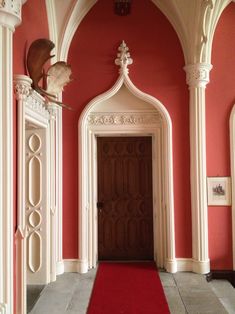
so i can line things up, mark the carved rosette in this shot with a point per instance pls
(123, 118)
(197, 75)
(10, 13)
(22, 86)
(123, 58)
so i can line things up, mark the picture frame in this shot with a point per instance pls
(219, 191)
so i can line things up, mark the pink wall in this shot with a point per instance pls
(34, 26)
(157, 70)
(220, 100)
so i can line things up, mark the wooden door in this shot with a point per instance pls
(125, 206)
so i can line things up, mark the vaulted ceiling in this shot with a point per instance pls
(194, 22)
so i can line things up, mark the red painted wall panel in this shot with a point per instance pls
(220, 100)
(157, 70)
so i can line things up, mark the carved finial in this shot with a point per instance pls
(123, 58)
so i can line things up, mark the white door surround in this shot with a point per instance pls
(35, 225)
(126, 111)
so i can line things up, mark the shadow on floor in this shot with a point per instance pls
(33, 294)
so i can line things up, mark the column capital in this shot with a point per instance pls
(22, 86)
(10, 13)
(197, 75)
(53, 109)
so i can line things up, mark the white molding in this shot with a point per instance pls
(59, 191)
(232, 163)
(127, 118)
(10, 13)
(195, 23)
(51, 18)
(22, 87)
(52, 108)
(31, 108)
(198, 75)
(184, 264)
(189, 264)
(35, 109)
(60, 268)
(6, 166)
(88, 187)
(77, 13)
(72, 266)
(197, 78)
(179, 265)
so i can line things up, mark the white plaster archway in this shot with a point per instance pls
(106, 124)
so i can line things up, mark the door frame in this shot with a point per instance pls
(31, 110)
(158, 248)
(156, 123)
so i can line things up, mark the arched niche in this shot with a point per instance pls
(124, 110)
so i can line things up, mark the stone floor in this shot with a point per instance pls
(185, 293)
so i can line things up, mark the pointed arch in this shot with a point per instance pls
(164, 210)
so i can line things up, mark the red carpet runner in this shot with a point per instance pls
(127, 288)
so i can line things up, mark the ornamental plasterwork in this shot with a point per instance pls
(21, 90)
(35, 102)
(123, 118)
(123, 58)
(205, 12)
(16, 6)
(198, 74)
(11, 6)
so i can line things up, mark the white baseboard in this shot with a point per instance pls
(60, 268)
(201, 267)
(70, 265)
(172, 266)
(184, 264)
(189, 264)
(75, 266)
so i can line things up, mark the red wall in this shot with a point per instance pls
(220, 100)
(34, 26)
(157, 70)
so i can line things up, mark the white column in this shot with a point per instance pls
(197, 79)
(53, 210)
(10, 16)
(59, 191)
(22, 87)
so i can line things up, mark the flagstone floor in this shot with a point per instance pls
(185, 292)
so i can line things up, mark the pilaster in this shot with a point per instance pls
(197, 79)
(10, 17)
(52, 108)
(59, 191)
(22, 87)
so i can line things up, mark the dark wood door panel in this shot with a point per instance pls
(125, 221)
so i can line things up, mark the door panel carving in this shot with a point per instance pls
(125, 221)
(36, 206)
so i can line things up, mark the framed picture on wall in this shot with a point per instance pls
(219, 191)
